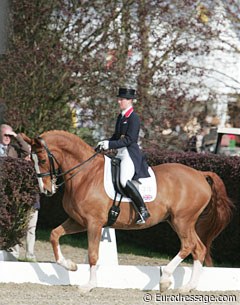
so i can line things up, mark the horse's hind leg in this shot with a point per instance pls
(198, 253)
(190, 243)
(68, 227)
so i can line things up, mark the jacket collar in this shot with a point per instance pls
(127, 112)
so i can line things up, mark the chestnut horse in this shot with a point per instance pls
(195, 203)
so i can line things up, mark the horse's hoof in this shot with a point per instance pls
(164, 285)
(71, 265)
(68, 264)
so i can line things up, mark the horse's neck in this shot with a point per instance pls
(74, 154)
(70, 149)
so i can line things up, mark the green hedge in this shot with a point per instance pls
(162, 238)
(18, 190)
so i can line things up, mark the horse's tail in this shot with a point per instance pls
(216, 215)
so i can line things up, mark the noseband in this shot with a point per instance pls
(56, 173)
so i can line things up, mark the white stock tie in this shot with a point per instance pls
(3, 151)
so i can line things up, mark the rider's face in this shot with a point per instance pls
(124, 103)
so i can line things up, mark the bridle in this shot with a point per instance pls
(57, 173)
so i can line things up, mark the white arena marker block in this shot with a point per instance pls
(135, 277)
(7, 256)
(108, 248)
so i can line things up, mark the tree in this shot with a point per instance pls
(35, 81)
(66, 52)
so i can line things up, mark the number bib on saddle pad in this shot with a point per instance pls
(147, 188)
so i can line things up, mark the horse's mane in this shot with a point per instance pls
(74, 138)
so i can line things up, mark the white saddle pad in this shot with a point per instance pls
(147, 188)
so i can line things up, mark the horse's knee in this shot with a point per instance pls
(52, 236)
(57, 233)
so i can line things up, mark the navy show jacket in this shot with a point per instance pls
(126, 135)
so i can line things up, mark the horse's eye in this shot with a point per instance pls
(43, 161)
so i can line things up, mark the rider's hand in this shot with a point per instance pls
(104, 145)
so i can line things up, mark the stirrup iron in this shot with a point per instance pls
(140, 220)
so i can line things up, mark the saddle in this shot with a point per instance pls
(114, 189)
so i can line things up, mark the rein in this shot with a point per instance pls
(55, 174)
(73, 168)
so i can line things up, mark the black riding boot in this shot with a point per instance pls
(136, 197)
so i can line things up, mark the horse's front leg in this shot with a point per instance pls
(68, 227)
(94, 237)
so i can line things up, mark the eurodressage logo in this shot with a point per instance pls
(175, 298)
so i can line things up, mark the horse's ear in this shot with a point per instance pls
(37, 142)
(27, 139)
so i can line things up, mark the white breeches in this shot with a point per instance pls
(31, 236)
(127, 167)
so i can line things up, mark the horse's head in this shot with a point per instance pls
(45, 164)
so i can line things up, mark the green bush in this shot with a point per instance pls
(18, 190)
